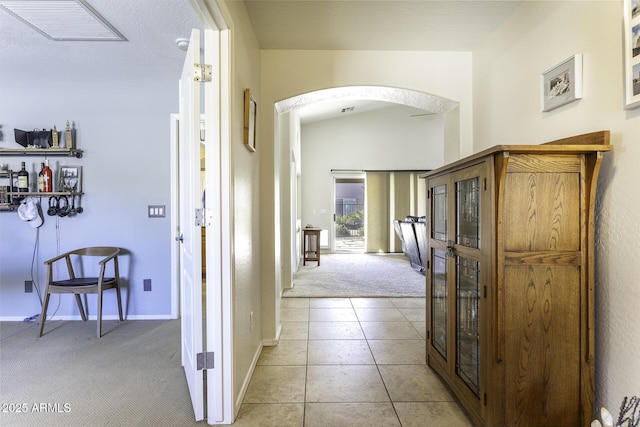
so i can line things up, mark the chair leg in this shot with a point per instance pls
(43, 315)
(119, 301)
(80, 307)
(99, 318)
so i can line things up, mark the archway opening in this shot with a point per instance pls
(293, 113)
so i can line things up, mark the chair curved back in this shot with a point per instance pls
(96, 251)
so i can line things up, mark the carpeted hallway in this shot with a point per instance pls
(358, 276)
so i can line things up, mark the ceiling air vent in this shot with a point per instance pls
(63, 20)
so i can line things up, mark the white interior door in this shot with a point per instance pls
(206, 305)
(190, 195)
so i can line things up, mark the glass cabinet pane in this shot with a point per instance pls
(439, 300)
(467, 327)
(468, 212)
(439, 213)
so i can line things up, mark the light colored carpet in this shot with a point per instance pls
(131, 376)
(356, 276)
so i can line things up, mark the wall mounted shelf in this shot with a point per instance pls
(70, 152)
(15, 197)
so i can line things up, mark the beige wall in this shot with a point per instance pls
(245, 71)
(507, 70)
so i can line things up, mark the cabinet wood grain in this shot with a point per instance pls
(522, 292)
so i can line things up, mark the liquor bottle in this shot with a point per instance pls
(23, 180)
(41, 179)
(47, 177)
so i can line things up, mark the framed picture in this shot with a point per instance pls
(631, 54)
(562, 84)
(70, 179)
(250, 114)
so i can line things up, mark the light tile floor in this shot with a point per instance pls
(349, 362)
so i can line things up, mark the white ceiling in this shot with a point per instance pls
(152, 26)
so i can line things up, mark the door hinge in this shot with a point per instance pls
(202, 73)
(204, 217)
(205, 360)
(485, 184)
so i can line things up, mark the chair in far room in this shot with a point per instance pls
(101, 256)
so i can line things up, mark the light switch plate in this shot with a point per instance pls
(157, 211)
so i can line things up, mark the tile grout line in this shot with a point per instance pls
(386, 389)
(306, 366)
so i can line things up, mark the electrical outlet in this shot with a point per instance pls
(251, 321)
(147, 285)
(28, 286)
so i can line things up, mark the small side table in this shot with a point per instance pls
(311, 245)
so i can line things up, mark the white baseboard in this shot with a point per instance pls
(93, 317)
(247, 380)
(273, 342)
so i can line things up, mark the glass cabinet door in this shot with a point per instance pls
(438, 276)
(457, 277)
(439, 301)
(467, 282)
(439, 213)
(467, 322)
(468, 212)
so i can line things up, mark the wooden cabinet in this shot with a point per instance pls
(510, 281)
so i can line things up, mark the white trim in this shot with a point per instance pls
(92, 317)
(273, 342)
(174, 168)
(219, 240)
(247, 380)
(228, 259)
(335, 175)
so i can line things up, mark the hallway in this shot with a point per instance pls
(349, 362)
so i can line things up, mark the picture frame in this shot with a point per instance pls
(250, 115)
(562, 83)
(631, 54)
(70, 179)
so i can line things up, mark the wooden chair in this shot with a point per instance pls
(83, 285)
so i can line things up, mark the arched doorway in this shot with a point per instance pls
(291, 112)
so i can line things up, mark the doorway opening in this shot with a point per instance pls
(348, 215)
(390, 129)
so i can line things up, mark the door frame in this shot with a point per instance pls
(335, 176)
(174, 212)
(221, 407)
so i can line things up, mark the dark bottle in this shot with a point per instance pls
(41, 179)
(47, 178)
(23, 180)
